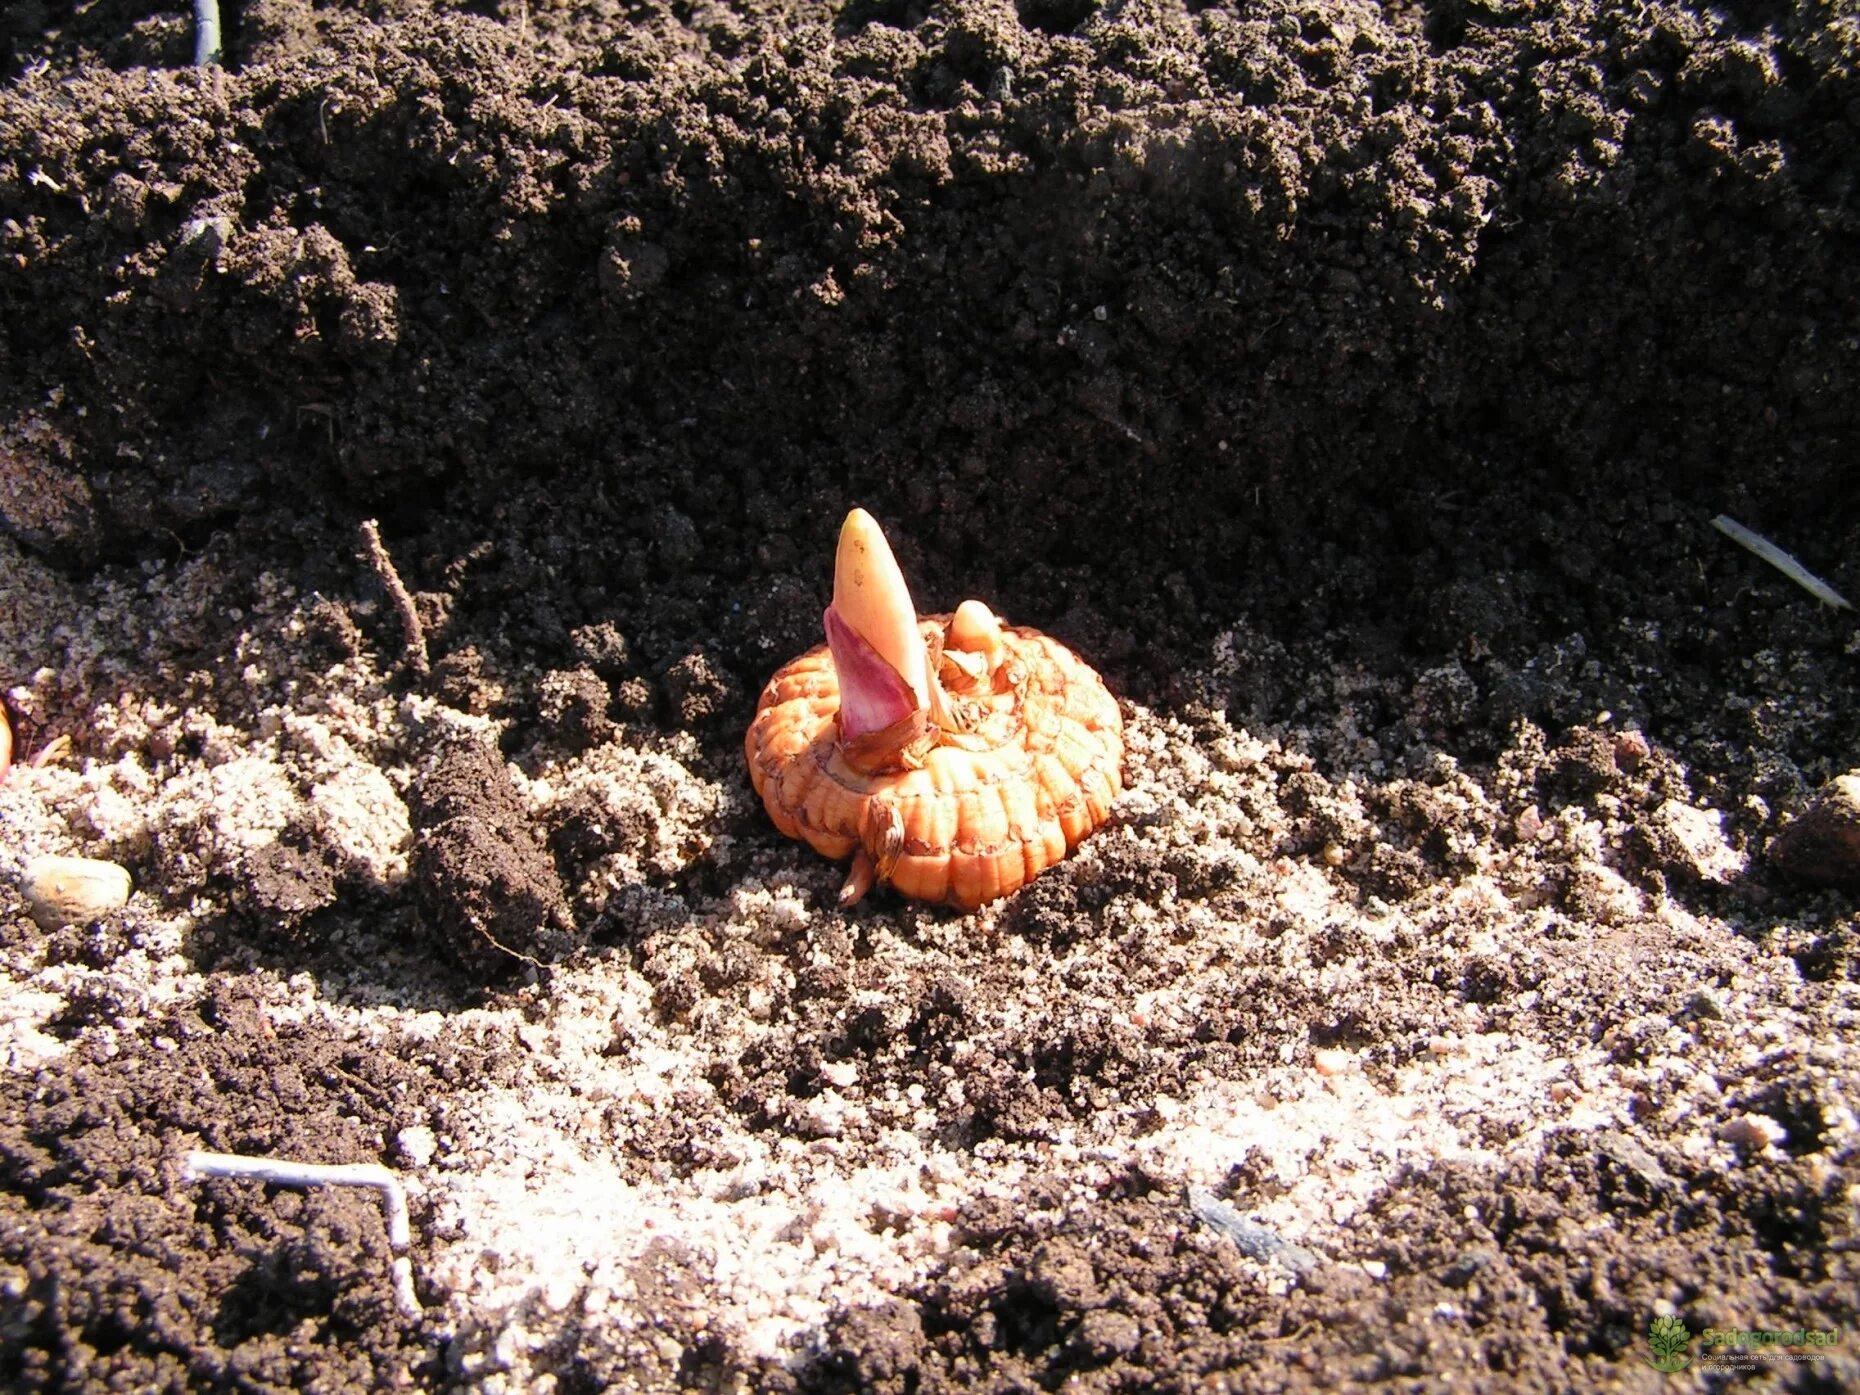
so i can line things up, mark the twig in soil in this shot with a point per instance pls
(282, 1172)
(1255, 1241)
(206, 33)
(1782, 561)
(377, 554)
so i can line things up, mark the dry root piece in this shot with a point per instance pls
(951, 757)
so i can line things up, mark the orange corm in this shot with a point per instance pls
(951, 757)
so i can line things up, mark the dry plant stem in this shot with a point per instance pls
(206, 33)
(1782, 561)
(282, 1172)
(415, 633)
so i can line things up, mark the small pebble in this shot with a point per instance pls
(1823, 845)
(1631, 749)
(64, 891)
(416, 1144)
(1690, 845)
(1331, 1061)
(1753, 1131)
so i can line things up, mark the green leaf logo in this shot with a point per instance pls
(1669, 1339)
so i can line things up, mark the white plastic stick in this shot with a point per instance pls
(282, 1172)
(1782, 561)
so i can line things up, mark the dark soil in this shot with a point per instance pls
(1399, 354)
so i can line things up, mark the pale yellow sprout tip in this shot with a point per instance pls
(975, 630)
(870, 595)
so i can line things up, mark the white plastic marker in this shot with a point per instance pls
(1782, 561)
(281, 1172)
